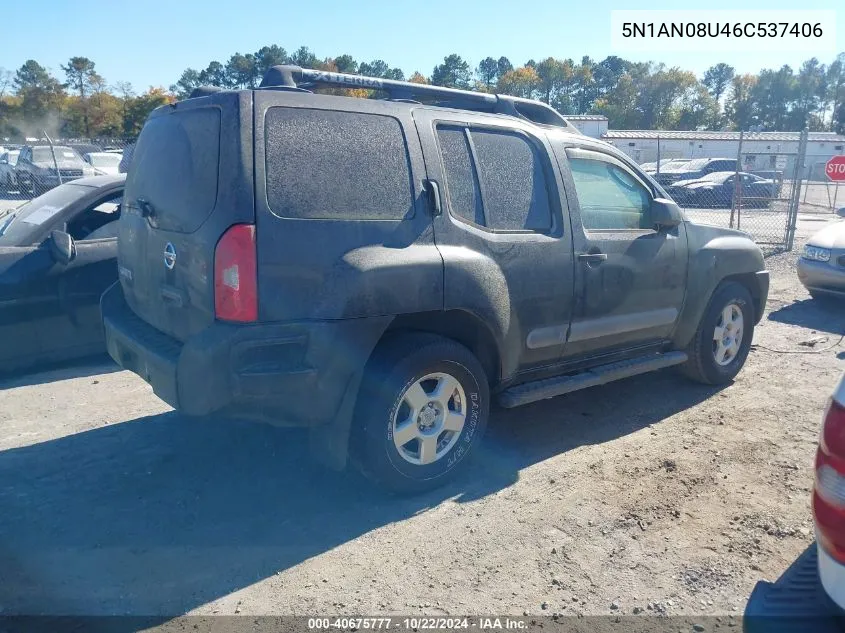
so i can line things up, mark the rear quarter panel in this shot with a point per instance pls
(337, 268)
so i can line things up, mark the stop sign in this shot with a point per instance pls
(835, 168)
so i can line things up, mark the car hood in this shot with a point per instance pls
(695, 184)
(63, 164)
(707, 232)
(832, 236)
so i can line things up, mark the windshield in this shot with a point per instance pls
(104, 160)
(63, 155)
(20, 226)
(12, 157)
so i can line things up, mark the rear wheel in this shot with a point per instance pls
(421, 411)
(722, 341)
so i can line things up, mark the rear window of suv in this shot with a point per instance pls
(175, 167)
(324, 164)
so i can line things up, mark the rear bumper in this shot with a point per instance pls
(296, 373)
(822, 276)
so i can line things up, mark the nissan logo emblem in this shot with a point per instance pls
(169, 256)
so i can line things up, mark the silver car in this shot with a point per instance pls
(821, 267)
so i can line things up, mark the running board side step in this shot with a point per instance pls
(559, 385)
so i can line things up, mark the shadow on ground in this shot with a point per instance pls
(92, 366)
(823, 315)
(794, 603)
(161, 514)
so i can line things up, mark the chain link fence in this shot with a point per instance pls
(820, 194)
(31, 167)
(758, 194)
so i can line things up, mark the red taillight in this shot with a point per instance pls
(829, 496)
(235, 283)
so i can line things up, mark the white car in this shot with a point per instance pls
(104, 163)
(8, 160)
(829, 498)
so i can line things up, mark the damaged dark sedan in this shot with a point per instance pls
(57, 256)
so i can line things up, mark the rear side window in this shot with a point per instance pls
(495, 178)
(175, 167)
(461, 179)
(323, 164)
(515, 192)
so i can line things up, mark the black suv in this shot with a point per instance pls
(380, 269)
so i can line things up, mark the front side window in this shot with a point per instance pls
(611, 198)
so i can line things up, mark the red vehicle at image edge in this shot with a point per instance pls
(829, 498)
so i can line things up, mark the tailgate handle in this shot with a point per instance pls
(147, 209)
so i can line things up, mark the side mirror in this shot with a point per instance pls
(665, 214)
(62, 247)
(841, 212)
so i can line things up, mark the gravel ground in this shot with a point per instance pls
(651, 494)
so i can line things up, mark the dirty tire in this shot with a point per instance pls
(397, 365)
(702, 365)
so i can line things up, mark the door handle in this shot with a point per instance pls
(433, 192)
(592, 258)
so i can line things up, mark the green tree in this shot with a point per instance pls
(375, 68)
(774, 94)
(552, 75)
(189, 80)
(607, 74)
(268, 56)
(741, 107)
(835, 88)
(488, 72)
(39, 94)
(79, 73)
(304, 58)
(454, 72)
(241, 71)
(717, 79)
(213, 75)
(585, 85)
(810, 92)
(126, 92)
(346, 64)
(504, 65)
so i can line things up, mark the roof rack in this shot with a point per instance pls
(295, 78)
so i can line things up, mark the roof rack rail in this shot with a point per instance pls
(288, 77)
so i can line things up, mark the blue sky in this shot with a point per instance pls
(151, 43)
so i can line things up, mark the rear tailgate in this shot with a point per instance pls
(191, 178)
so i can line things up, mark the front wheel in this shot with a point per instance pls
(722, 341)
(421, 411)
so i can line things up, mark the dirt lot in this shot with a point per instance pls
(652, 493)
